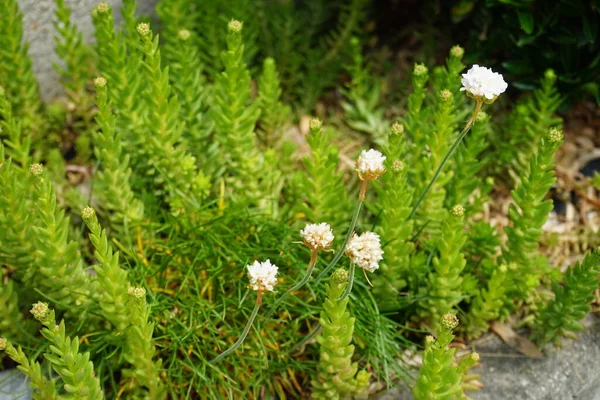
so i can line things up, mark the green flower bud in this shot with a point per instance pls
(315, 124)
(36, 169)
(143, 28)
(184, 34)
(340, 276)
(235, 26)
(397, 128)
(458, 210)
(3, 343)
(87, 213)
(40, 310)
(449, 321)
(555, 135)
(100, 82)
(457, 51)
(420, 69)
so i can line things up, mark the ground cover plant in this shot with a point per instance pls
(198, 245)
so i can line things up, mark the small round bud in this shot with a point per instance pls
(234, 26)
(315, 124)
(555, 135)
(3, 343)
(143, 28)
(457, 51)
(420, 69)
(481, 116)
(445, 95)
(429, 339)
(397, 128)
(340, 276)
(102, 8)
(449, 321)
(184, 34)
(397, 166)
(458, 210)
(136, 292)
(550, 75)
(87, 213)
(40, 310)
(503, 269)
(36, 169)
(475, 356)
(100, 82)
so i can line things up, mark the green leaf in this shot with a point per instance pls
(590, 29)
(526, 20)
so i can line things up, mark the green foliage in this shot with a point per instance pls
(395, 229)
(273, 112)
(74, 368)
(486, 304)
(44, 388)
(362, 110)
(439, 377)
(444, 289)
(322, 186)
(337, 376)
(10, 315)
(560, 317)
(528, 214)
(16, 72)
(112, 181)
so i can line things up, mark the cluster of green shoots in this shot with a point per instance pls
(168, 247)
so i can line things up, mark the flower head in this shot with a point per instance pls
(457, 51)
(370, 165)
(184, 34)
(458, 210)
(40, 310)
(234, 26)
(420, 69)
(449, 321)
(102, 7)
(100, 82)
(36, 169)
(475, 356)
(555, 135)
(136, 292)
(445, 95)
(263, 276)
(143, 28)
(365, 250)
(397, 128)
(3, 343)
(397, 166)
(315, 124)
(317, 236)
(87, 213)
(340, 276)
(482, 83)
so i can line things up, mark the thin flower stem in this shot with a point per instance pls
(340, 253)
(241, 339)
(350, 283)
(302, 282)
(447, 157)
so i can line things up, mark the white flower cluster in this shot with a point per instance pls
(370, 164)
(263, 276)
(365, 250)
(317, 236)
(481, 82)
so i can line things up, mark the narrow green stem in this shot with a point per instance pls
(302, 282)
(350, 282)
(241, 339)
(447, 157)
(340, 253)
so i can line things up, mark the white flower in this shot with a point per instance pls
(317, 236)
(365, 250)
(483, 82)
(370, 164)
(263, 276)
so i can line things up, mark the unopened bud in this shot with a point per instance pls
(449, 321)
(184, 34)
(143, 28)
(100, 82)
(36, 169)
(420, 69)
(555, 135)
(397, 166)
(458, 210)
(315, 124)
(457, 51)
(397, 128)
(40, 310)
(235, 26)
(136, 292)
(87, 213)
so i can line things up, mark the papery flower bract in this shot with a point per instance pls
(370, 164)
(263, 276)
(317, 236)
(483, 83)
(365, 250)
